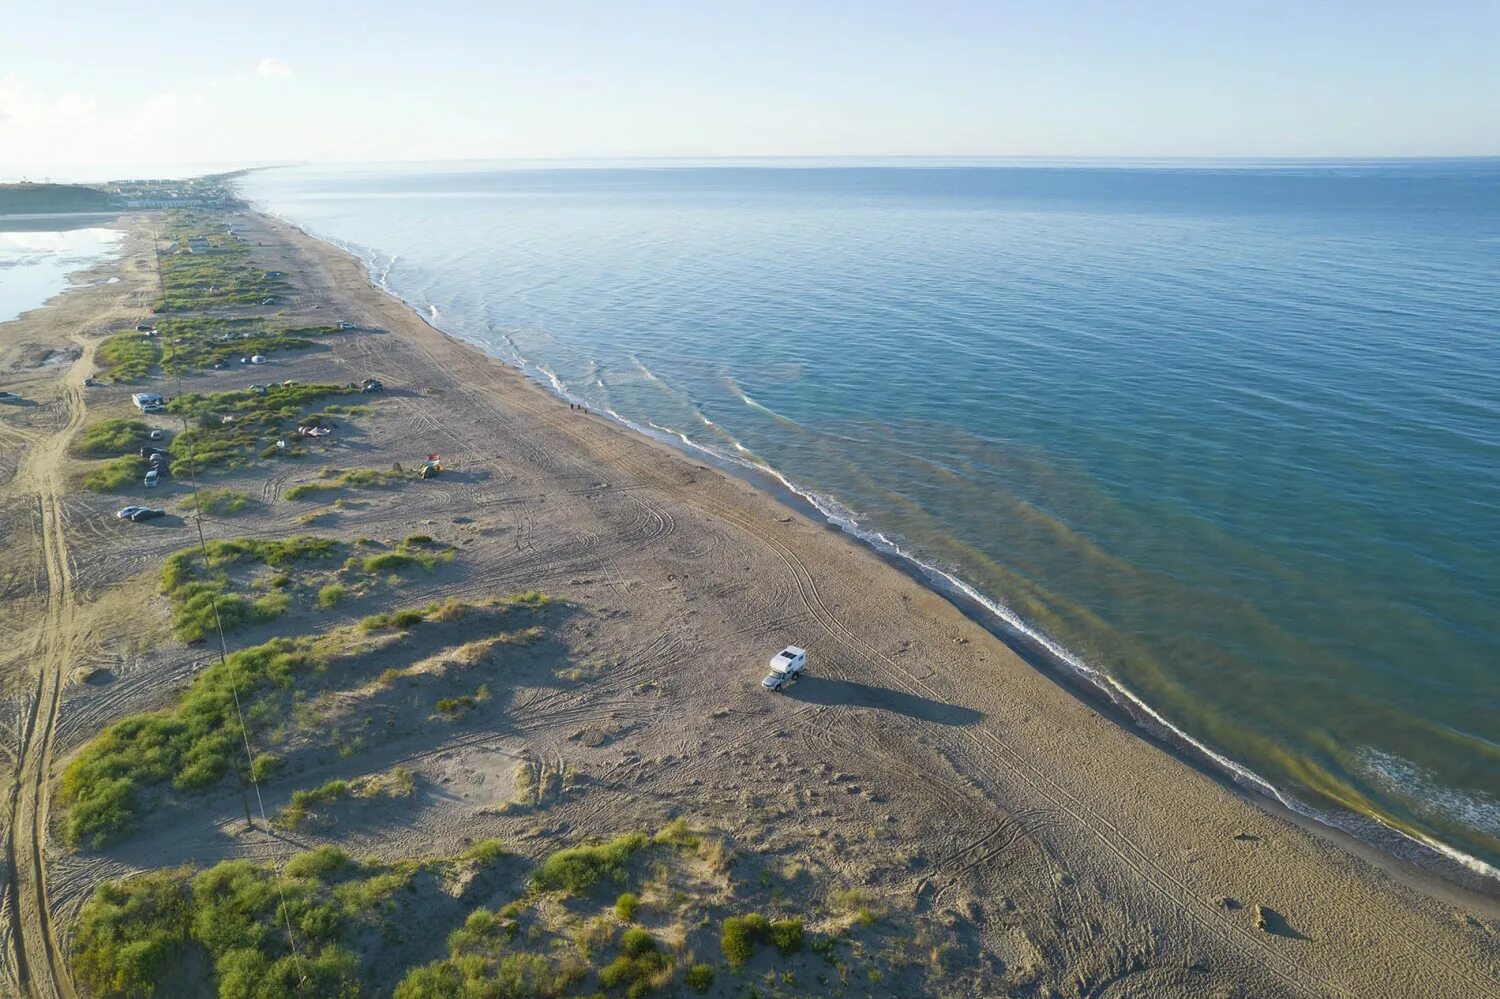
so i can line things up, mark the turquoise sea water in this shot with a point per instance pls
(1227, 434)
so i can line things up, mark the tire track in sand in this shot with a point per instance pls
(40, 966)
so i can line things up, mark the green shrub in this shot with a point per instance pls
(330, 595)
(200, 590)
(108, 438)
(219, 502)
(439, 980)
(626, 907)
(191, 746)
(700, 977)
(123, 474)
(304, 801)
(787, 935)
(128, 357)
(636, 942)
(579, 868)
(131, 933)
(486, 851)
(735, 942)
(318, 863)
(456, 705)
(263, 766)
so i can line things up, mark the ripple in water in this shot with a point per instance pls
(1226, 436)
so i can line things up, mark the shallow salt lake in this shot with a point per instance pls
(35, 265)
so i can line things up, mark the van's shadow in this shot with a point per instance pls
(812, 689)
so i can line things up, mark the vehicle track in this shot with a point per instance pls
(41, 968)
(1135, 858)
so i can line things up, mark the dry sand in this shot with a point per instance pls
(920, 757)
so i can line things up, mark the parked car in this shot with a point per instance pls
(372, 385)
(127, 512)
(153, 476)
(786, 666)
(148, 513)
(157, 434)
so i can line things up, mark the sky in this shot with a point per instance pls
(90, 90)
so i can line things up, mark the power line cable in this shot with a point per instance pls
(234, 686)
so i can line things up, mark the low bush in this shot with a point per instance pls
(330, 595)
(486, 851)
(132, 935)
(123, 474)
(108, 438)
(738, 936)
(128, 357)
(306, 800)
(190, 746)
(200, 590)
(626, 907)
(579, 868)
(788, 935)
(700, 977)
(219, 502)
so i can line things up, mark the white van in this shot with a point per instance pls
(786, 666)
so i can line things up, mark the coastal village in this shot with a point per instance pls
(343, 660)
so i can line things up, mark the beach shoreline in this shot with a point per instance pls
(1038, 822)
(1426, 863)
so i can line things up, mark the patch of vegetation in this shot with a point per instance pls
(284, 689)
(201, 594)
(123, 474)
(640, 967)
(486, 851)
(190, 342)
(219, 502)
(700, 977)
(305, 801)
(738, 937)
(191, 745)
(207, 267)
(409, 553)
(330, 595)
(133, 934)
(128, 357)
(579, 868)
(626, 906)
(135, 938)
(337, 478)
(230, 428)
(109, 438)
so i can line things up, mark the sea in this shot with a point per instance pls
(39, 254)
(1222, 437)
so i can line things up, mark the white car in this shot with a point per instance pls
(786, 666)
(126, 512)
(157, 434)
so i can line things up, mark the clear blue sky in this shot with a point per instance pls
(270, 80)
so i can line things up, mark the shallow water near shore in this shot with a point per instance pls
(1228, 434)
(36, 261)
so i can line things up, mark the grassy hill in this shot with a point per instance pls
(23, 199)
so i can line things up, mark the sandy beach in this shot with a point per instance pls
(1051, 846)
